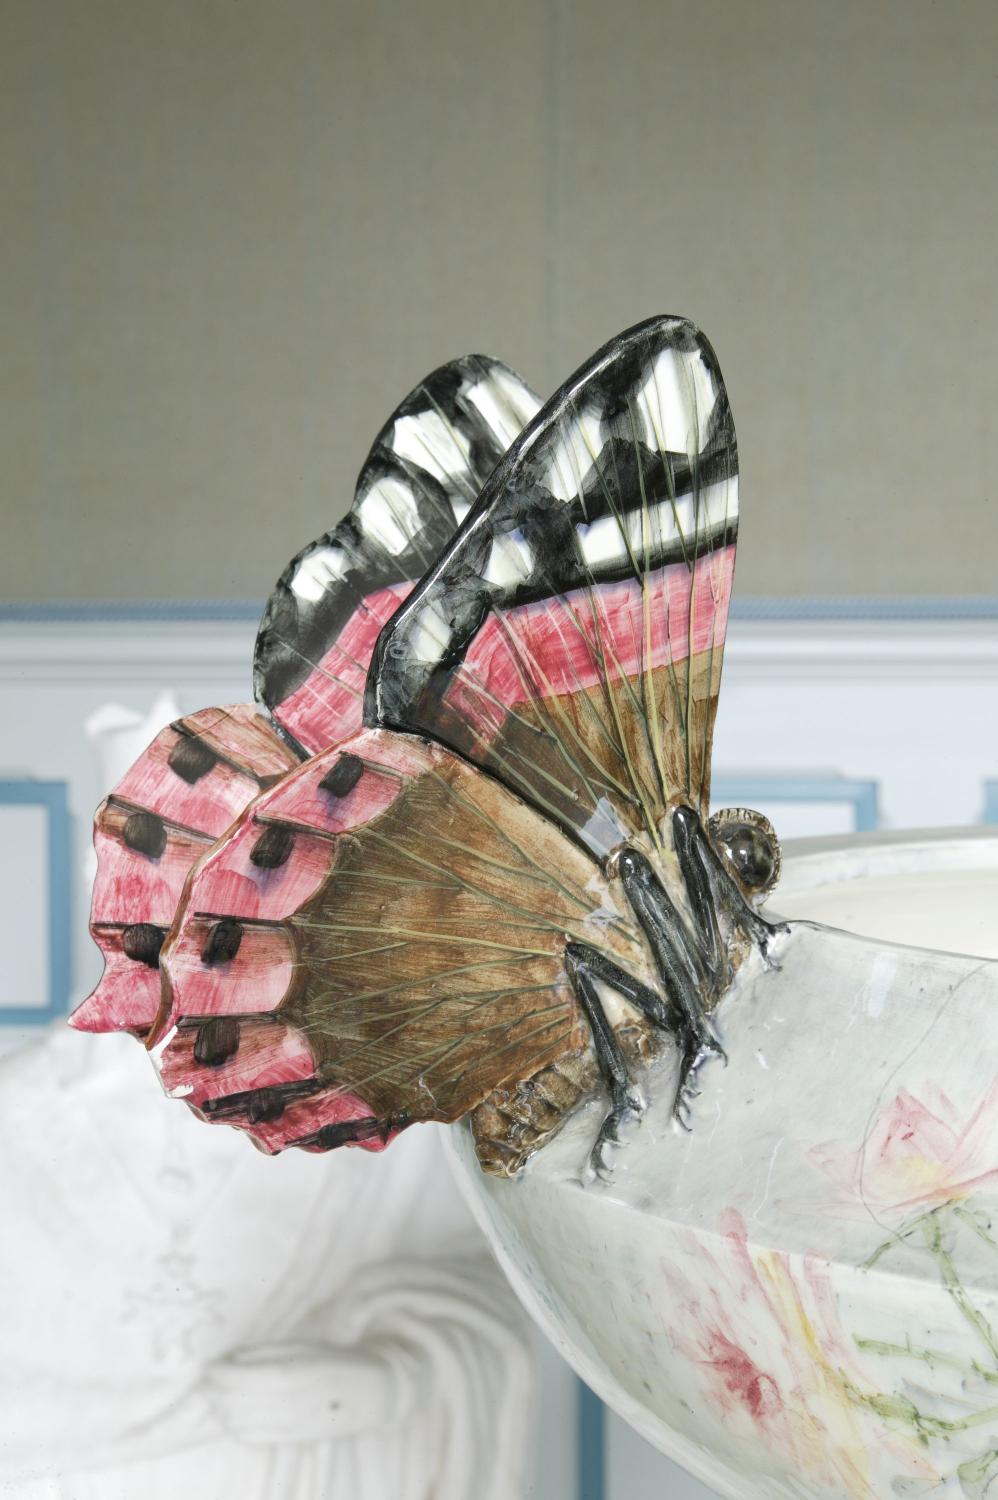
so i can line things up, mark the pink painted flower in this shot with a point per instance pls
(769, 1361)
(738, 1379)
(918, 1152)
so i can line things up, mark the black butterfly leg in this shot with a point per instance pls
(585, 965)
(712, 893)
(712, 890)
(686, 973)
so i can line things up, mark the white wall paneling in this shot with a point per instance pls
(909, 704)
(820, 720)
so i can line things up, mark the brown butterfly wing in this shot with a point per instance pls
(395, 922)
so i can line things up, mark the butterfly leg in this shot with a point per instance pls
(685, 972)
(585, 965)
(712, 891)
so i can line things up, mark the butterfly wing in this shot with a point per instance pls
(170, 807)
(570, 639)
(380, 938)
(312, 656)
(421, 478)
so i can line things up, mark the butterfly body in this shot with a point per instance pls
(515, 1121)
(486, 889)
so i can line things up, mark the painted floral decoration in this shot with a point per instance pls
(919, 1151)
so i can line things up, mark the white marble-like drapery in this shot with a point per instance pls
(181, 1315)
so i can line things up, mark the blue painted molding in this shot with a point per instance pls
(865, 607)
(752, 607)
(591, 1447)
(745, 791)
(104, 612)
(990, 813)
(52, 796)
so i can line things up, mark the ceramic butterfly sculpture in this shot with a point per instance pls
(462, 865)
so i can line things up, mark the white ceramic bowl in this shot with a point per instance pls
(800, 1297)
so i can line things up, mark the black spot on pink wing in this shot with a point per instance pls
(344, 1132)
(222, 943)
(260, 1106)
(142, 941)
(342, 776)
(273, 848)
(264, 1105)
(256, 1106)
(191, 758)
(144, 832)
(217, 1040)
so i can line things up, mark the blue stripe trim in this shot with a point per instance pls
(102, 612)
(866, 607)
(754, 607)
(591, 1417)
(990, 813)
(53, 797)
(737, 791)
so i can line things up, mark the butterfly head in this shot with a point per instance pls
(746, 844)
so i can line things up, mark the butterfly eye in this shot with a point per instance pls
(747, 846)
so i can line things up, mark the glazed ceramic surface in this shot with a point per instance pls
(799, 1297)
(459, 865)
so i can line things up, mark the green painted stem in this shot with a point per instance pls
(954, 1286)
(928, 1356)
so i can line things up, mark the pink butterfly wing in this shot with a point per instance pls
(421, 478)
(570, 639)
(312, 657)
(175, 801)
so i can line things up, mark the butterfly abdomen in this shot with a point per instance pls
(513, 1123)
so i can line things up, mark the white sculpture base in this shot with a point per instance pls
(799, 1298)
(185, 1316)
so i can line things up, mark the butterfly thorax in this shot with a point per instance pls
(518, 1119)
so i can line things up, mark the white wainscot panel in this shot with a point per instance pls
(637, 1471)
(909, 705)
(806, 819)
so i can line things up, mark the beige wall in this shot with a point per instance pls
(235, 233)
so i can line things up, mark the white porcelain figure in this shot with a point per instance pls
(185, 1316)
(798, 1299)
